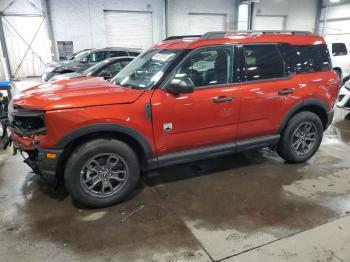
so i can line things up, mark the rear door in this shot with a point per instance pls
(209, 115)
(268, 91)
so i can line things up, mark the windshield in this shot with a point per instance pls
(93, 68)
(146, 69)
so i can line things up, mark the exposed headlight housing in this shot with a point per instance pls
(26, 122)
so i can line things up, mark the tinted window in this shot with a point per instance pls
(118, 53)
(306, 59)
(96, 57)
(339, 49)
(133, 53)
(263, 62)
(207, 67)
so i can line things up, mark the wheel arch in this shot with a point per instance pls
(109, 131)
(314, 105)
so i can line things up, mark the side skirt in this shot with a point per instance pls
(212, 151)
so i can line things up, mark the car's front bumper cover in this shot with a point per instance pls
(47, 163)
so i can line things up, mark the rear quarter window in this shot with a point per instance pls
(306, 58)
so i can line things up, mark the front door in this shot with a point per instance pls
(205, 117)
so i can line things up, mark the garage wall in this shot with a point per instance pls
(83, 22)
(299, 14)
(338, 19)
(181, 14)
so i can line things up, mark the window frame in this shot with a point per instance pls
(231, 46)
(243, 65)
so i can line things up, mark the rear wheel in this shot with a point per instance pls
(102, 172)
(301, 138)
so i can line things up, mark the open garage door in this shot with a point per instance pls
(200, 23)
(128, 29)
(270, 22)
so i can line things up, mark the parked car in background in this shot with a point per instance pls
(71, 57)
(180, 101)
(340, 56)
(344, 96)
(107, 69)
(84, 60)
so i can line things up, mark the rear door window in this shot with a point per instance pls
(339, 49)
(263, 61)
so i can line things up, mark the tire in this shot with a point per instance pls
(111, 165)
(288, 148)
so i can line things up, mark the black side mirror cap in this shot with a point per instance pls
(180, 86)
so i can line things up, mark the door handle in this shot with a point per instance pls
(222, 99)
(286, 91)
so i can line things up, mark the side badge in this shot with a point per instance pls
(168, 126)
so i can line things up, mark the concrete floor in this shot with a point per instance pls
(244, 207)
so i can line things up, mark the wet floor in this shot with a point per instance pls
(204, 211)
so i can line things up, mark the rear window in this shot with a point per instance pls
(339, 49)
(306, 59)
(263, 62)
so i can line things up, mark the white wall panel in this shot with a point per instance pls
(270, 22)
(20, 33)
(128, 29)
(202, 23)
(337, 21)
(180, 22)
(82, 21)
(336, 12)
(301, 14)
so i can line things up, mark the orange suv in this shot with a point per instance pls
(185, 99)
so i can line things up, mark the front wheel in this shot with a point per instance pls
(102, 172)
(301, 138)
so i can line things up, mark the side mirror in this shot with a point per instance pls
(180, 86)
(84, 60)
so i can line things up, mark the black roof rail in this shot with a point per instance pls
(221, 34)
(180, 37)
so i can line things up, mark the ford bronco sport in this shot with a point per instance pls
(184, 99)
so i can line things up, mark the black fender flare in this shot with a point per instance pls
(307, 102)
(94, 128)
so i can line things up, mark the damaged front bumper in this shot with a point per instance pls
(43, 162)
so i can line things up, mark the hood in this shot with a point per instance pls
(73, 93)
(71, 65)
(66, 76)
